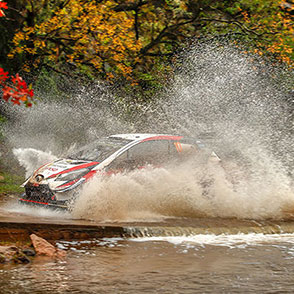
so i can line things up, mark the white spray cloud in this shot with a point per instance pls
(183, 191)
(31, 159)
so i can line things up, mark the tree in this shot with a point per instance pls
(118, 38)
(272, 23)
(14, 88)
(81, 33)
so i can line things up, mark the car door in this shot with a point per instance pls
(152, 152)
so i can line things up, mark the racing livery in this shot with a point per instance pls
(56, 184)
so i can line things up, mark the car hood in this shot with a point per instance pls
(60, 166)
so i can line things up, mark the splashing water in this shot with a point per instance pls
(31, 159)
(152, 194)
(58, 125)
(232, 241)
(240, 101)
(220, 91)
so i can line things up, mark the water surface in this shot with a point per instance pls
(253, 263)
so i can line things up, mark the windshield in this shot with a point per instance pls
(100, 149)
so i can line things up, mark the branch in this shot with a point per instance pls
(237, 23)
(62, 5)
(136, 23)
(154, 42)
(57, 70)
(129, 6)
(168, 30)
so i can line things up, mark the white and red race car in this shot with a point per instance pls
(56, 184)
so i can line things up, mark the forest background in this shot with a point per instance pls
(130, 43)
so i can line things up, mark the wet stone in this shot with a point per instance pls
(43, 247)
(2, 258)
(12, 254)
(20, 258)
(29, 252)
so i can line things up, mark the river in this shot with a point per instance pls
(232, 256)
(226, 264)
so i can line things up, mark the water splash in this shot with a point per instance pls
(220, 91)
(231, 241)
(153, 194)
(244, 104)
(56, 125)
(39, 212)
(31, 159)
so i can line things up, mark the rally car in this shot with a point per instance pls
(56, 184)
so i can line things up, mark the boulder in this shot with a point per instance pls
(43, 247)
(7, 252)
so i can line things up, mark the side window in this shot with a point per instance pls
(175, 148)
(149, 152)
(119, 163)
(182, 150)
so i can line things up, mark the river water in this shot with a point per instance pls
(251, 263)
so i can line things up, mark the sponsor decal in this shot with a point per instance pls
(52, 169)
(74, 168)
(178, 146)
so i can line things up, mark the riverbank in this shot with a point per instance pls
(16, 253)
(10, 186)
(10, 183)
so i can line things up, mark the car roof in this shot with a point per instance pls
(146, 137)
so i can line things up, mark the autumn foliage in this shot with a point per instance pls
(82, 34)
(3, 5)
(131, 40)
(14, 88)
(272, 25)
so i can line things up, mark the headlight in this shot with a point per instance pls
(70, 176)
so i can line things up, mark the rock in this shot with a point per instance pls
(8, 251)
(2, 258)
(1, 178)
(12, 253)
(20, 258)
(43, 247)
(29, 252)
(4, 249)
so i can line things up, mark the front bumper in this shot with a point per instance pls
(41, 195)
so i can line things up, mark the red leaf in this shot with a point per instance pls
(3, 5)
(18, 92)
(15, 101)
(3, 75)
(31, 93)
(6, 93)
